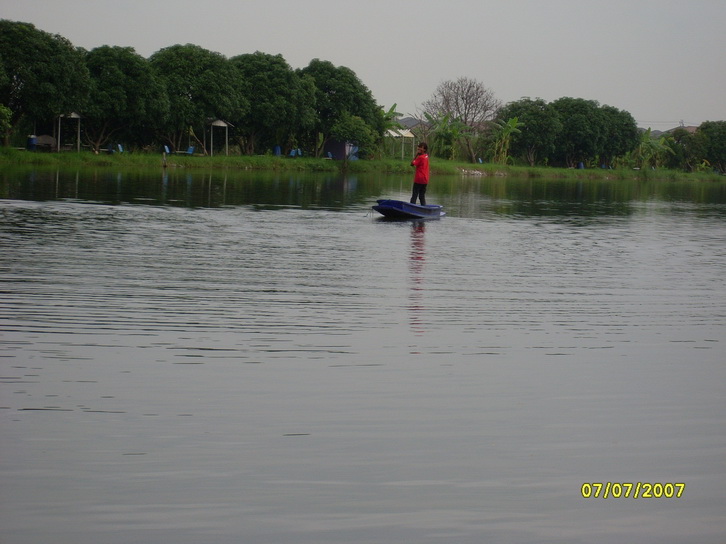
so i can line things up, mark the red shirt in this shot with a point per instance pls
(421, 162)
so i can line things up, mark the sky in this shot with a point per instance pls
(664, 61)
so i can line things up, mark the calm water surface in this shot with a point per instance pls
(214, 359)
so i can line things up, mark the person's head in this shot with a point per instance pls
(422, 147)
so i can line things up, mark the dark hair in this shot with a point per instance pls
(423, 144)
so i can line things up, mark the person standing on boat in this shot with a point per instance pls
(421, 175)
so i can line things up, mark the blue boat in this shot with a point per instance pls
(399, 209)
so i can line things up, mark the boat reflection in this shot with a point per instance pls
(417, 259)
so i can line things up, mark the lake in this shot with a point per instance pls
(191, 357)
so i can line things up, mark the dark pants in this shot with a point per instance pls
(419, 191)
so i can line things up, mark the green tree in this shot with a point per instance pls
(5, 119)
(713, 136)
(621, 134)
(353, 129)
(339, 92)
(306, 117)
(41, 75)
(687, 150)
(583, 131)
(201, 85)
(278, 99)
(125, 99)
(540, 126)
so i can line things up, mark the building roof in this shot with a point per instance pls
(399, 133)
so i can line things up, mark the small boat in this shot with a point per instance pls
(399, 209)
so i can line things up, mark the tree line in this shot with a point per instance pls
(465, 120)
(171, 97)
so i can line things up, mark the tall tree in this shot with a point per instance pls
(540, 126)
(713, 135)
(467, 101)
(620, 134)
(276, 95)
(583, 131)
(688, 150)
(42, 75)
(339, 92)
(201, 85)
(126, 97)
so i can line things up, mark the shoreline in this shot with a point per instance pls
(269, 163)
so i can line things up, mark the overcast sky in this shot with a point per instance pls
(664, 61)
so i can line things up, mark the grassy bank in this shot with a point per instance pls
(10, 157)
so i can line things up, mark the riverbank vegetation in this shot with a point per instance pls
(270, 163)
(253, 110)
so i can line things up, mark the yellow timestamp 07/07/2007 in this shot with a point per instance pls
(632, 490)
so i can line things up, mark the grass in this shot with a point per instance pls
(151, 160)
(9, 156)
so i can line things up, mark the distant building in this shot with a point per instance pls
(690, 129)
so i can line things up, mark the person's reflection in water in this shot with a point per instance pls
(417, 258)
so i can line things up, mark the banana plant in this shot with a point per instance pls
(651, 151)
(447, 133)
(503, 131)
(390, 118)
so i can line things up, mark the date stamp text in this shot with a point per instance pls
(632, 490)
